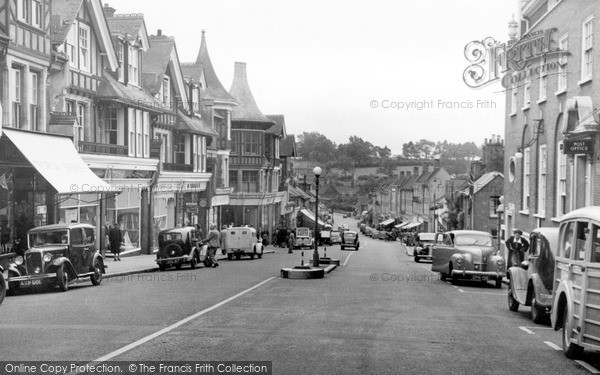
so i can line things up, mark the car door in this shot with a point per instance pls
(590, 328)
(77, 249)
(441, 248)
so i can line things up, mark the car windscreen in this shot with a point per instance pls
(48, 238)
(349, 235)
(171, 237)
(473, 240)
(427, 237)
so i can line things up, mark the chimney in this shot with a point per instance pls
(109, 11)
(436, 163)
(159, 32)
(239, 71)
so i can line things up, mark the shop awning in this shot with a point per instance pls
(412, 225)
(401, 225)
(387, 222)
(57, 160)
(310, 216)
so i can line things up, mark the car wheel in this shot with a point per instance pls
(453, 277)
(443, 276)
(260, 255)
(537, 312)
(499, 283)
(96, 278)
(194, 261)
(342, 247)
(229, 256)
(62, 278)
(207, 263)
(572, 351)
(2, 288)
(251, 256)
(513, 304)
(13, 287)
(417, 259)
(162, 267)
(178, 266)
(238, 256)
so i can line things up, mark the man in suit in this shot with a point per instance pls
(517, 247)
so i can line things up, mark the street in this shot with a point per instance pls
(378, 313)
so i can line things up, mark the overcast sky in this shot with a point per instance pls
(326, 64)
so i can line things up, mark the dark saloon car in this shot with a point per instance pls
(531, 282)
(423, 247)
(350, 239)
(178, 246)
(57, 255)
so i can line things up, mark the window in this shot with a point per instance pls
(494, 203)
(36, 13)
(251, 143)
(180, 149)
(131, 131)
(120, 57)
(133, 61)
(166, 90)
(527, 94)
(542, 172)
(566, 239)
(71, 46)
(250, 181)
(563, 45)
(513, 99)
(81, 118)
(233, 179)
(33, 102)
(84, 47)
(561, 185)
(587, 59)
(16, 98)
(146, 133)
(139, 133)
(543, 80)
(24, 10)
(595, 244)
(526, 177)
(111, 126)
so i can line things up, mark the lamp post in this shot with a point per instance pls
(317, 171)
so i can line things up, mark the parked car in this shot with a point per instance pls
(382, 235)
(575, 306)
(374, 233)
(325, 238)
(424, 245)
(350, 239)
(531, 283)
(2, 285)
(56, 255)
(336, 237)
(466, 254)
(303, 239)
(240, 241)
(179, 246)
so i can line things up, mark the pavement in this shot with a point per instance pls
(145, 263)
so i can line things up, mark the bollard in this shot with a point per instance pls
(324, 252)
(302, 260)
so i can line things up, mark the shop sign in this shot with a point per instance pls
(220, 200)
(572, 147)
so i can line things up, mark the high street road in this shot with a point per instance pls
(378, 313)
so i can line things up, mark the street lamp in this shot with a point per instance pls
(317, 171)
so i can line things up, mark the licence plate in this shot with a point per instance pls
(480, 278)
(26, 283)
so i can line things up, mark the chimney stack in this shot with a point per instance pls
(159, 32)
(109, 11)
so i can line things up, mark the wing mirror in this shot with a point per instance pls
(525, 265)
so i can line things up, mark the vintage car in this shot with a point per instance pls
(350, 239)
(57, 255)
(179, 246)
(374, 233)
(423, 247)
(575, 306)
(467, 254)
(240, 241)
(336, 237)
(2, 284)
(303, 239)
(530, 284)
(325, 238)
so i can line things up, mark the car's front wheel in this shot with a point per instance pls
(13, 286)
(513, 304)
(571, 350)
(96, 278)
(417, 259)
(194, 260)
(2, 288)
(537, 312)
(499, 283)
(62, 278)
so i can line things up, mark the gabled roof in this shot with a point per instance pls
(287, 148)
(111, 89)
(482, 182)
(203, 66)
(279, 127)
(129, 26)
(162, 55)
(194, 125)
(240, 90)
(64, 13)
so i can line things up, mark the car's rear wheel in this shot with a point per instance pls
(260, 255)
(62, 278)
(251, 256)
(571, 350)
(178, 266)
(229, 256)
(499, 283)
(537, 312)
(513, 304)
(238, 256)
(96, 278)
(417, 259)
(194, 260)
(343, 247)
(13, 286)
(2, 288)
(162, 267)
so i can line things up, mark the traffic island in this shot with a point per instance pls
(330, 261)
(303, 272)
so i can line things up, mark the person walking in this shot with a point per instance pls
(223, 239)
(517, 247)
(291, 240)
(213, 240)
(115, 237)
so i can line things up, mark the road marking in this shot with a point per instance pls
(588, 367)
(552, 345)
(176, 325)
(524, 329)
(460, 290)
(347, 259)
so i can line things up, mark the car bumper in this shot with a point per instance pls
(475, 274)
(424, 256)
(33, 281)
(174, 260)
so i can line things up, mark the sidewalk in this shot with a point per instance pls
(144, 263)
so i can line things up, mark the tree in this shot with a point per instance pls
(316, 147)
(409, 151)
(361, 152)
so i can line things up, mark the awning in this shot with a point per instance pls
(412, 225)
(310, 216)
(402, 224)
(57, 160)
(387, 222)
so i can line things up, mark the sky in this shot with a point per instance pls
(387, 71)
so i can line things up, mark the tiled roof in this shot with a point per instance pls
(482, 181)
(240, 90)
(278, 128)
(111, 89)
(214, 89)
(156, 62)
(195, 125)
(126, 24)
(63, 13)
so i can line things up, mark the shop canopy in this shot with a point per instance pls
(401, 225)
(57, 160)
(310, 216)
(412, 225)
(387, 222)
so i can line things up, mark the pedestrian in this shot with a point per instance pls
(291, 241)
(199, 231)
(213, 240)
(517, 247)
(115, 237)
(265, 238)
(223, 239)
(4, 236)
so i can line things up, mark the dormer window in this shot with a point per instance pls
(133, 64)
(166, 91)
(84, 47)
(120, 58)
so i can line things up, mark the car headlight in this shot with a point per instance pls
(459, 260)
(19, 260)
(47, 257)
(500, 262)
